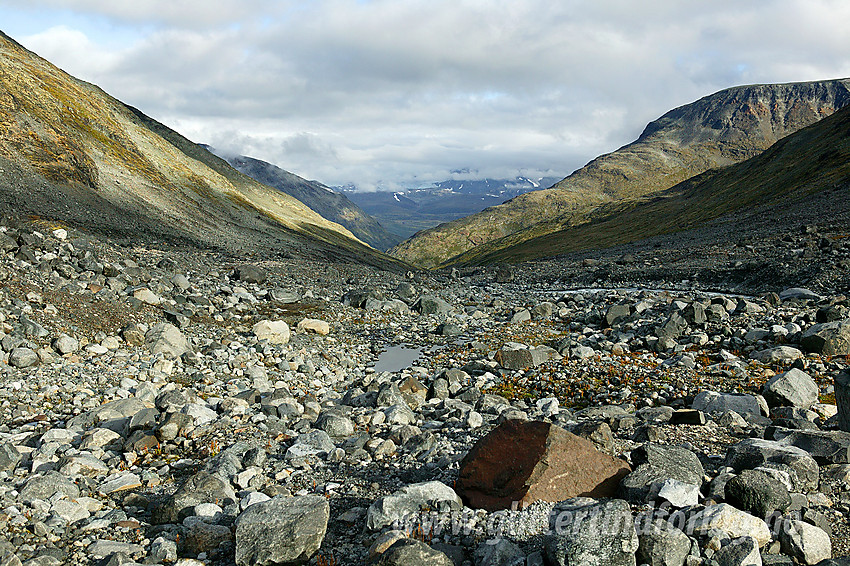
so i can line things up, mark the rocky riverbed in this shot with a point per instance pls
(163, 406)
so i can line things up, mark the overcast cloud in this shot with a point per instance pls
(390, 93)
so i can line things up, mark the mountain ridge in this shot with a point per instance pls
(334, 206)
(811, 161)
(73, 154)
(719, 129)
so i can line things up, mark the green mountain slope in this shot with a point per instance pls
(331, 205)
(71, 153)
(721, 129)
(813, 160)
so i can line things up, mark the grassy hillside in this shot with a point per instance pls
(814, 159)
(721, 129)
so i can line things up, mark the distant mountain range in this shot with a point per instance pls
(409, 211)
(719, 130)
(70, 153)
(332, 205)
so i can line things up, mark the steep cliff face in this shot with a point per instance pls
(331, 205)
(721, 129)
(71, 153)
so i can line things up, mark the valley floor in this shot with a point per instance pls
(142, 409)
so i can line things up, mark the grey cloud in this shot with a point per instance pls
(384, 92)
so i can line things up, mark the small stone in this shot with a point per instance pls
(274, 331)
(314, 326)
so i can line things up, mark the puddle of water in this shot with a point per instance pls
(397, 358)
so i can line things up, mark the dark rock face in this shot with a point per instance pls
(757, 493)
(527, 461)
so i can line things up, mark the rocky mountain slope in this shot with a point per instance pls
(807, 170)
(331, 204)
(718, 130)
(71, 153)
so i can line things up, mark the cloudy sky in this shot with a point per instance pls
(394, 93)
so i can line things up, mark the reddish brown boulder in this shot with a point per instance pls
(523, 462)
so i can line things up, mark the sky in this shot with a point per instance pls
(391, 94)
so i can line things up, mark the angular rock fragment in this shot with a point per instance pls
(585, 531)
(521, 462)
(793, 388)
(282, 530)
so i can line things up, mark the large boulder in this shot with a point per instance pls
(743, 551)
(662, 544)
(411, 552)
(23, 358)
(49, 485)
(520, 462)
(806, 543)
(274, 331)
(732, 522)
(791, 388)
(517, 356)
(282, 530)
(166, 339)
(585, 531)
(754, 452)
(714, 402)
(249, 273)
(428, 304)
(404, 506)
(657, 463)
(757, 493)
(826, 447)
(828, 339)
(202, 487)
(778, 354)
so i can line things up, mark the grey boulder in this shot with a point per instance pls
(404, 505)
(828, 339)
(791, 388)
(166, 339)
(410, 552)
(714, 402)
(757, 493)
(282, 530)
(586, 531)
(662, 544)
